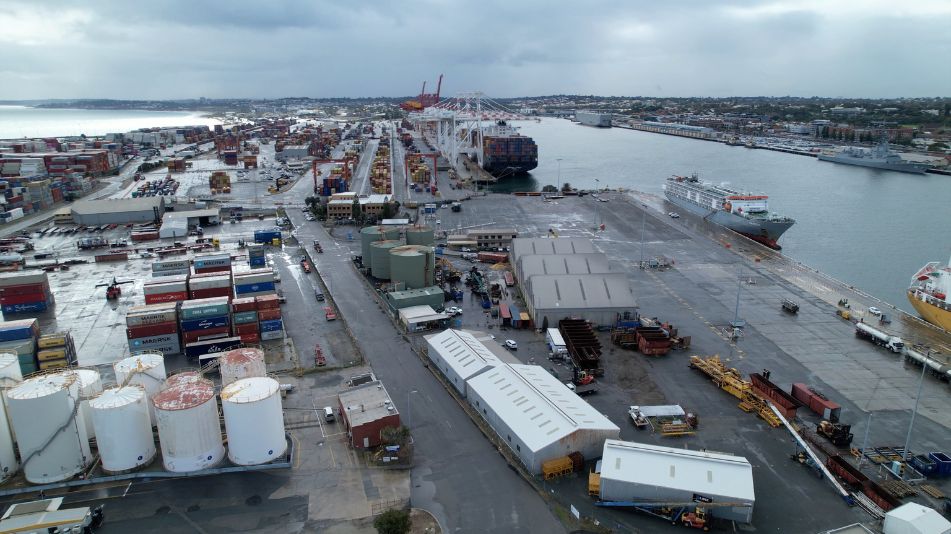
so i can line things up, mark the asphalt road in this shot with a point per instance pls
(458, 475)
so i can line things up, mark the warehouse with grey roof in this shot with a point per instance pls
(118, 211)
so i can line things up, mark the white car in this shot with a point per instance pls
(874, 311)
(453, 311)
(674, 215)
(511, 344)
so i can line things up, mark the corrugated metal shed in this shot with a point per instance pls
(595, 297)
(118, 211)
(524, 246)
(461, 356)
(914, 518)
(639, 472)
(585, 263)
(538, 416)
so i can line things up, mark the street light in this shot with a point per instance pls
(559, 174)
(409, 409)
(914, 412)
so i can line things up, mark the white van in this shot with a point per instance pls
(329, 414)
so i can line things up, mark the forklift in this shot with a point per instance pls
(114, 289)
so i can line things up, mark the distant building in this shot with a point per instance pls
(483, 238)
(838, 110)
(118, 211)
(365, 411)
(428, 296)
(292, 152)
(340, 205)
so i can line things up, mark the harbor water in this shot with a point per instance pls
(870, 228)
(23, 121)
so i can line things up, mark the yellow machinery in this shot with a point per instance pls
(558, 467)
(730, 380)
(594, 484)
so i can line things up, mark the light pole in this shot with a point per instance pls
(914, 412)
(559, 175)
(597, 202)
(409, 409)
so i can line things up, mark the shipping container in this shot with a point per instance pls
(272, 325)
(246, 328)
(166, 297)
(23, 347)
(205, 323)
(21, 329)
(250, 338)
(145, 318)
(245, 317)
(25, 289)
(208, 307)
(149, 330)
(176, 272)
(51, 354)
(216, 269)
(168, 279)
(201, 348)
(210, 282)
(118, 256)
(267, 301)
(164, 287)
(29, 298)
(816, 402)
(34, 307)
(253, 288)
(206, 333)
(23, 278)
(243, 305)
(51, 341)
(274, 334)
(170, 265)
(149, 343)
(208, 293)
(269, 314)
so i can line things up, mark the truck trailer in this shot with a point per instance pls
(880, 338)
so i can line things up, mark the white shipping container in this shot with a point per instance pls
(274, 334)
(16, 213)
(170, 265)
(156, 317)
(21, 278)
(253, 279)
(167, 279)
(157, 289)
(163, 274)
(210, 282)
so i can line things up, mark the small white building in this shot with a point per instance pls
(419, 318)
(536, 415)
(637, 472)
(460, 356)
(913, 518)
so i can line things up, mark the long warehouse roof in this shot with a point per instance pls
(705, 473)
(523, 246)
(463, 352)
(116, 205)
(536, 405)
(585, 291)
(584, 263)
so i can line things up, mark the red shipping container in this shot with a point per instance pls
(269, 314)
(247, 328)
(191, 337)
(24, 289)
(166, 297)
(149, 330)
(211, 292)
(23, 299)
(250, 338)
(216, 269)
(243, 305)
(265, 302)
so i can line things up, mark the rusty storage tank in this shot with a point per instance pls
(372, 234)
(254, 420)
(50, 432)
(147, 369)
(241, 363)
(188, 426)
(181, 377)
(123, 428)
(380, 258)
(420, 235)
(414, 265)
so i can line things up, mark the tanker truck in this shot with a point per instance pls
(880, 338)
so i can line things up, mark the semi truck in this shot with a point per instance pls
(880, 338)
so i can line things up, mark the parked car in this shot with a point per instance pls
(674, 215)
(511, 344)
(874, 311)
(452, 311)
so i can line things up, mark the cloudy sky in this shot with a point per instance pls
(320, 48)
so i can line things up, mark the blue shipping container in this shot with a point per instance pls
(200, 348)
(272, 326)
(205, 323)
(258, 262)
(253, 288)
(13, 334)
(29, 307)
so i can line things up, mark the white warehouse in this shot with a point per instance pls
(537, 416)
(632, 472)
(460, 356)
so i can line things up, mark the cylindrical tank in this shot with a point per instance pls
(372, 234)
(188, 426)
(90, 385)
(146, 369)
(241, 363)
(123, 428)
(413, 265)
(10, 374)
(380, 258)
(420, 235)
(50, 433)
(253, 420)
(181, 377)
(8, 455)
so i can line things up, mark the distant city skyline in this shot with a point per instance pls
(245, 49)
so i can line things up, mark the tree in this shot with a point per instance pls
(392, 522)
(387, 212)
(394, 435)
(566, 187)
(549, 189)
(356, 213)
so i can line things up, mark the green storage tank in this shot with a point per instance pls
(420, 235)
(380, 258)
(414, 265)
(372, 234)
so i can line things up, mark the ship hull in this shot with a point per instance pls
(764, 231)
(931, 313)
(859, 162)
(501, 167)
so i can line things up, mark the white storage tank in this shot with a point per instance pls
(146, 369)
(254, 420)
(40, 407)
(8, 455)
(90, 385)
(10, 374)
(245, 362)
(123, 428)
(188, 426)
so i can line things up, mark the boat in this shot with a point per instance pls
(744, 213)
(506, 152)
(593, 118)
(929, 293)
(879, 157)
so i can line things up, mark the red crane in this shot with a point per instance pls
(424, 100)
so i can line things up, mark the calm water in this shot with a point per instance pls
(870, 228)
(20, 121)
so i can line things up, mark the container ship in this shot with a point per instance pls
(506, 152)
(929, 291)
(593, 118)
(879, 157)
(743, 213)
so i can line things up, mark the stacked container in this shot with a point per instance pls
(199, 350)
(256, 255)
(170, 268)
(166, 289)
(56, 350)
(23, 292)
(204, 319)
(244, 318)
(254, 283)
(270, 236)
(213, 263)
(203, 286)
(20, 337)
(153, 327)
(270, 324)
